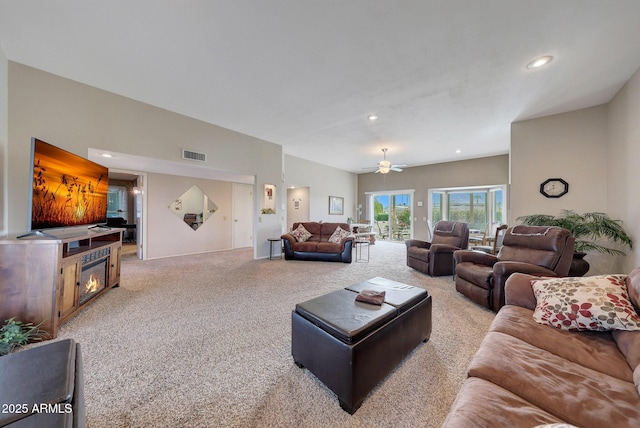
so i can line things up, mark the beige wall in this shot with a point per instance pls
(571, 146)
(4, 138)
(322, 181)
(172, 235)
(491, 170)
(596, 150)
(623, 173)
(78, 117)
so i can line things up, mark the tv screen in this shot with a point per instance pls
(67, 190)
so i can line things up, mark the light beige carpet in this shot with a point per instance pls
(204, 341)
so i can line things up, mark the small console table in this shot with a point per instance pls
(360, 244)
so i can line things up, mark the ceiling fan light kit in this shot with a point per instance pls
(384, 166)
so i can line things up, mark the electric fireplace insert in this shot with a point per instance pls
(93, 278)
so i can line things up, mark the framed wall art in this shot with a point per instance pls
(336, 205)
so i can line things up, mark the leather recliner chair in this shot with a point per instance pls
(535, 250)
(435, 258)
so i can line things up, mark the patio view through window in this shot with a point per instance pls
(476, 206)
(392, 214)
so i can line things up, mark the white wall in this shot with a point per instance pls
(623, 173)
(322, 181)
(77, 117)
(297, 205)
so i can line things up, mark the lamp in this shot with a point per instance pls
(384, 167)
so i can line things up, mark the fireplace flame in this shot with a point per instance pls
(92, 285)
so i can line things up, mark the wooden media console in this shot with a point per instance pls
(46, 280)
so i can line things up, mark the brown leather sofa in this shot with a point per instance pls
(435, 258)
(527, 374)
(538, 250)
(318, 247)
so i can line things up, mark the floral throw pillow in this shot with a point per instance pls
(597, 303)
(338, 235)
(301, 233)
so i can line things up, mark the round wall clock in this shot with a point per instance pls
(554, 187)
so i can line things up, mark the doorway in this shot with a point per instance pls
(242, 213)
(391, 214)
(126, 200)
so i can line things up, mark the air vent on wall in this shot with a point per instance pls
(194, 156)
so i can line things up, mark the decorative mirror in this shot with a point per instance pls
(269, 199)
(193, 207)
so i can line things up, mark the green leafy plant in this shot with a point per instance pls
(15, 334)
(586, 229)
(382, 217)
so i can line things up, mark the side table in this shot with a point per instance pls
(359, 244)
(271, 242)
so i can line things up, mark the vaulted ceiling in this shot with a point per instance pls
(442, 76)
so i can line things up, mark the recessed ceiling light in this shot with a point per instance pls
(539, 62)
(106, 155)
(372, 117)
(458, 151)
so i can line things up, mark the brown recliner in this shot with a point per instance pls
(435, 258)
(536, 250)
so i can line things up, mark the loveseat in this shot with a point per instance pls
(316, 245)
(527, 374)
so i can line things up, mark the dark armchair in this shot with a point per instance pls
(435, 258)
(536, 250)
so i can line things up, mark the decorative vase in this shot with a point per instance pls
(579, 266)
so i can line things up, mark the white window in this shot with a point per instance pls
(476, 205)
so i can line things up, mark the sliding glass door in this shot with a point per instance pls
(392, 213)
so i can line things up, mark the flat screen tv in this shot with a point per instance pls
(67, 190)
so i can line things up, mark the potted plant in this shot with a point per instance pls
(586, 228)
(14, 334)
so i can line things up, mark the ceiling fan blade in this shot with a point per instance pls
(396, 169)
(377, 171)
(401, 165)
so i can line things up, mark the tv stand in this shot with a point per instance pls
(37, 233)
(100, 226)
(46, 281)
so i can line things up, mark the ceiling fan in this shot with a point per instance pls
(384, 166)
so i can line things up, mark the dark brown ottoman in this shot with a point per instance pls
(351, 346)
(43, 387)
